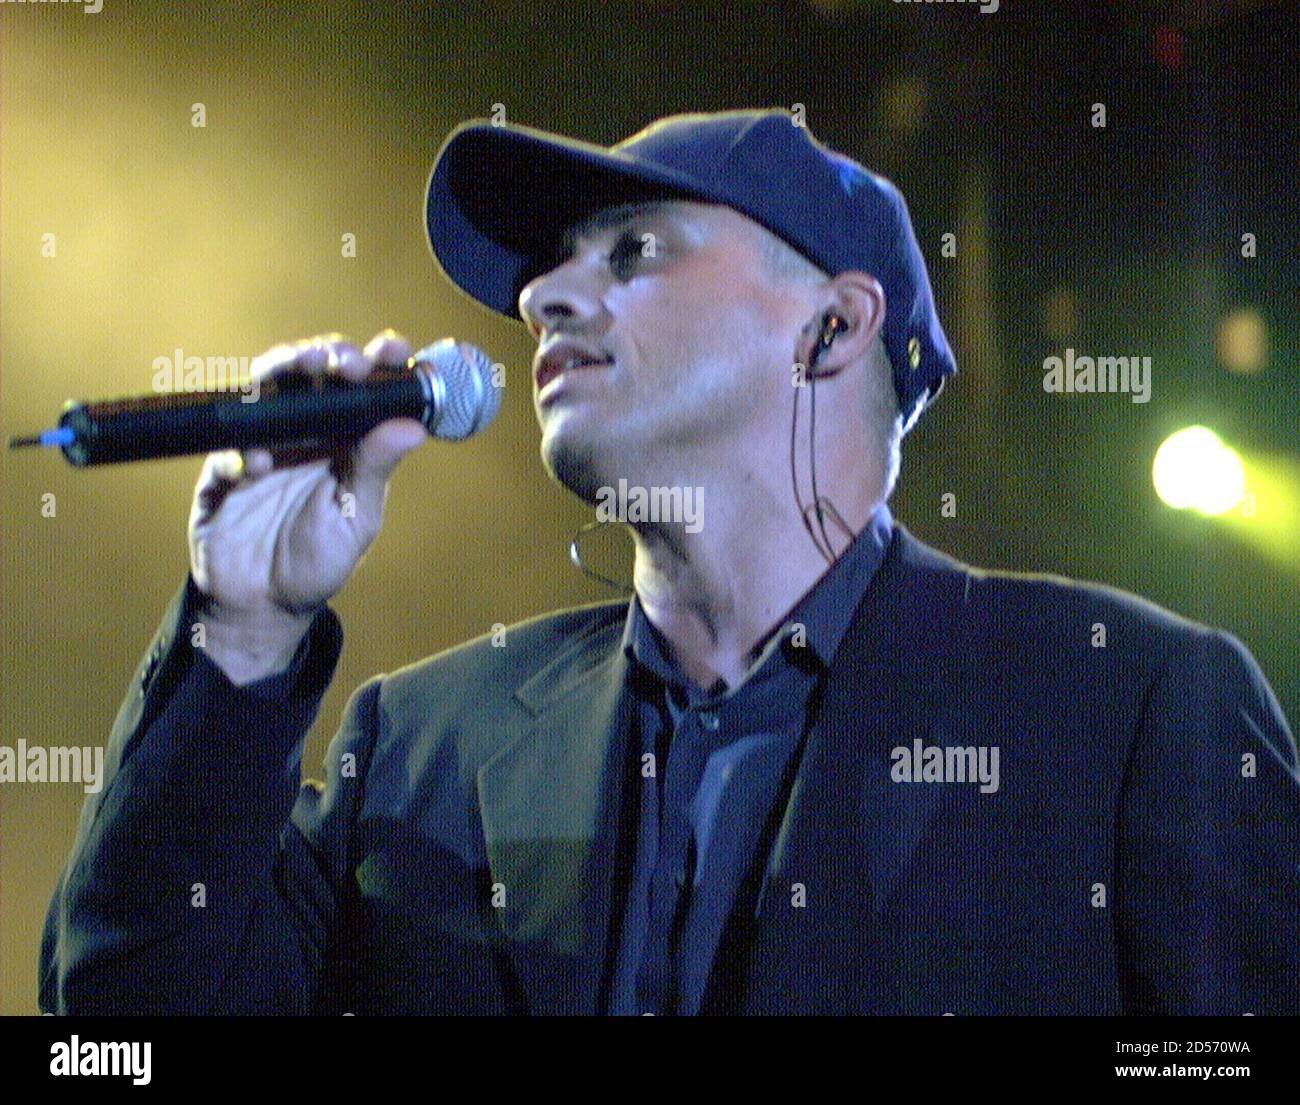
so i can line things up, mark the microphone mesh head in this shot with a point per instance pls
(468, 400)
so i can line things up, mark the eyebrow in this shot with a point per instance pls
(609, 217)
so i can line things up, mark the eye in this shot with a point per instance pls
(625, 256)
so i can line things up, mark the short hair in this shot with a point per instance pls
(784, 262)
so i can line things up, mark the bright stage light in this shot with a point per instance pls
(1195, 470)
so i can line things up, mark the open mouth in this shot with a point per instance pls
(552, 370)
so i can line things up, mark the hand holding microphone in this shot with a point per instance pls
(274, 533)
(446, 386)
(286, 508)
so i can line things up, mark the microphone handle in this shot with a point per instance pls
(292, 408)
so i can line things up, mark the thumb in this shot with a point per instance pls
(377, 455)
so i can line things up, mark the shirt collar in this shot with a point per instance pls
(824, 611)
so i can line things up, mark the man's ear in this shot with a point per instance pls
(850, 315)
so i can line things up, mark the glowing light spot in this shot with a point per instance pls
(1195, 470)
(1243, 341)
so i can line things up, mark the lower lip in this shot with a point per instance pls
(556, 382)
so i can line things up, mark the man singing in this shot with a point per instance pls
(813, 766)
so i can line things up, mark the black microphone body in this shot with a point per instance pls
(453, 395)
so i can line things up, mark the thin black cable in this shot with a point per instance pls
(812, 467)
(575, 554)
(794, 474)
(819, 505)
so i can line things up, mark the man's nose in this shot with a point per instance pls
(564, 297)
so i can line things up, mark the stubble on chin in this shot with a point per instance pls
(574, 465)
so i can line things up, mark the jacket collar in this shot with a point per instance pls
(824, 611)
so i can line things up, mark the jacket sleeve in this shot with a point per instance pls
(205, 878)
(1208, 864)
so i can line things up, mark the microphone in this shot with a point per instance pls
(447, 386)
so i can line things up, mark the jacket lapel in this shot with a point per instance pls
(849, 832)
(549, 801)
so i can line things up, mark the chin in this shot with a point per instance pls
(576, 462)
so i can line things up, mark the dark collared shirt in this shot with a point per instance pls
(712, 767)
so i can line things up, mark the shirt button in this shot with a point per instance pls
(710, 721)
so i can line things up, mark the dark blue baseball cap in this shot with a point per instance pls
(500, 197)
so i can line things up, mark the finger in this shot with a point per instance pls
(228, 469)
(378, 453)
(277, 359)
(371, 463)
(388, 347)
(226, 466)
(340, 355)
(221, 474)
(323, 353)
(258, 462)
(331, 353)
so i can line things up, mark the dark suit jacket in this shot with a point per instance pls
(1140, 854)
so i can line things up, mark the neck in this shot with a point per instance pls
(717, 594)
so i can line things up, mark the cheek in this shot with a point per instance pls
(664, 334)
(704, 334)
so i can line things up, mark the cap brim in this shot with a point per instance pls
(500, 197)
